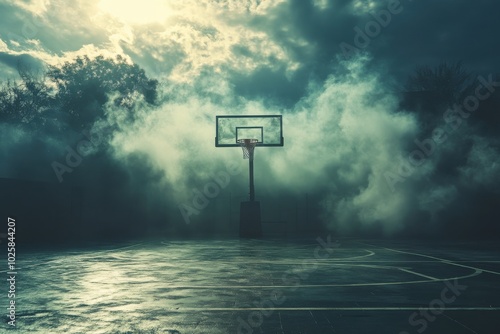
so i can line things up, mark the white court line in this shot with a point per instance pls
(321, 261)
(436, 258)
(370, 253)
(120, 248)
(421, 261)
(477, 272)
(418, 274)
(391, 308)
(461, 324)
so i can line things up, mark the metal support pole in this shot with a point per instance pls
(250, 171)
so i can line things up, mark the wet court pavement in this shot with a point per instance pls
(261, 286)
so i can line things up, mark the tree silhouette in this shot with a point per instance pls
(448, 82)
(85, 85)
(25, 100)
(79, 88)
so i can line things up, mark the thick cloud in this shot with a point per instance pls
(22, 60)
(348, 144)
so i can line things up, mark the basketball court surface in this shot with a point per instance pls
(317, 285)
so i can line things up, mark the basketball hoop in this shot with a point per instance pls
(248, 146)
(249, 131)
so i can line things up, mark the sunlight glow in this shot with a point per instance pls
(364, 6)
(136, 11)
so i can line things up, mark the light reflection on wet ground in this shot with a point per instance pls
(270, 286)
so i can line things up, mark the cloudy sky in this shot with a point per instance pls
(335, 70)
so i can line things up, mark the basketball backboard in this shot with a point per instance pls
(267, 129)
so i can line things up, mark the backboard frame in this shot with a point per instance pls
(279, 143)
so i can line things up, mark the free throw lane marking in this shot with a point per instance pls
(418, 274)
(437, 259)
(301, 286)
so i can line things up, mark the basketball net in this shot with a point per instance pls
(248, 146)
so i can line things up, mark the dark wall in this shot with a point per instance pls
(44, 212)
